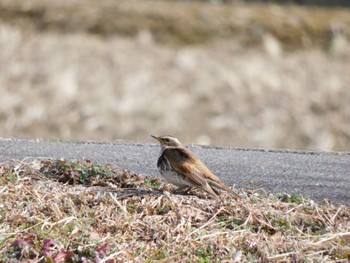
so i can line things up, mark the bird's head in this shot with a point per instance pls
(168, 141)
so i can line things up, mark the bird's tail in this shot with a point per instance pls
(216, 186)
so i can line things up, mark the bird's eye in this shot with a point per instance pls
(166, 140)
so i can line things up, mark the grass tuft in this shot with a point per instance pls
(57, 210)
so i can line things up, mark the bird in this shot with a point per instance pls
(179, 166)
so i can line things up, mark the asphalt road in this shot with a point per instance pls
(317, 175)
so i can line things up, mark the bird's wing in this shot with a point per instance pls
(214, 181)
(184, 163)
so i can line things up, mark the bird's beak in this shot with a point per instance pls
(155, 137)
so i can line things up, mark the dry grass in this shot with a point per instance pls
(79, 211)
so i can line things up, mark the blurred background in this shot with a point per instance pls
(272, 74)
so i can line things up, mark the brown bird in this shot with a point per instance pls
(182, 168)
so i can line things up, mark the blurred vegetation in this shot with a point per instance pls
(218, 72)
(327, 3)
(182, 22)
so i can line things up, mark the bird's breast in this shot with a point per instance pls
(175, 178)
(170, 174)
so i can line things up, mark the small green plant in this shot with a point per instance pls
(203, 257)
(152, 182)
(11, 176)
(293, 198)
(163, 209)
(77, 172)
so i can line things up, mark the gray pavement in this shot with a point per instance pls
(317, 175)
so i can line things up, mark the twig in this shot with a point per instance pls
(118, 203)
(282, 255)
(222, 233)
(336, 214)
(207, 223)
(332, 237)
